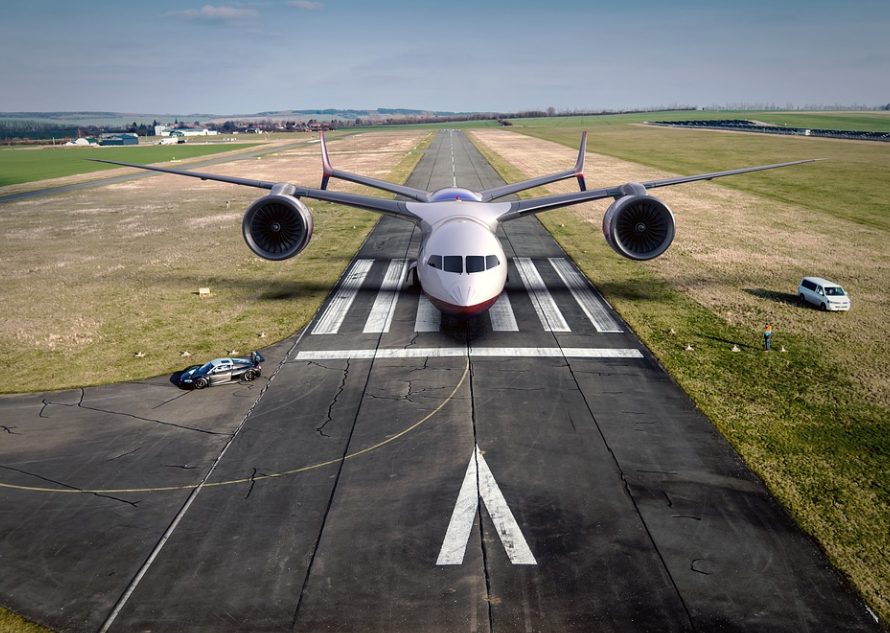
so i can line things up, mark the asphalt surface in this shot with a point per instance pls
(345, 491)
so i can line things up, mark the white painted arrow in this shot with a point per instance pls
(478, 484)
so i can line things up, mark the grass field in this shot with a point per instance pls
(25, 164)
(12, 623)
(859, 121)
(813, 422)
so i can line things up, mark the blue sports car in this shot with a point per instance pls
(222, 370)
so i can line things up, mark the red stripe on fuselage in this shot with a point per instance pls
(462, 311)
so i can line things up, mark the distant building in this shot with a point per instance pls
(119, 139)
(191, 132)
(83, 142)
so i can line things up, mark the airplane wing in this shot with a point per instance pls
(546, 203)
(401, 190)
(575, 172)
(246, 182)
(369, 203)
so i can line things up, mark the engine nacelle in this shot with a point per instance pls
(277, 226)
(639, 226)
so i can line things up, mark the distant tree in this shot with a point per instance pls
(551, 111)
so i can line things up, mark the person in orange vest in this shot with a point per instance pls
(767, 336)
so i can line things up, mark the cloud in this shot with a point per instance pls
(210, 12)
(307, 5)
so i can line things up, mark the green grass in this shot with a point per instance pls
(20, 165)
(799, 420)
(851, 183)
(859, 121)
(434, 126)
(12, 623)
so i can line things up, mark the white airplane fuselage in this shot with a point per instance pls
(461, 264)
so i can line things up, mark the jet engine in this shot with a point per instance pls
(639, 226)
(277, 226)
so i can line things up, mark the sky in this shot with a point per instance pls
(182, 57)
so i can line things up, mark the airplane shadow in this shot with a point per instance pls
(270, 290)
(787, 298)
(627, 290)
(461, 329)
(728, 342)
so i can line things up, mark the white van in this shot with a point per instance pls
(825, 294)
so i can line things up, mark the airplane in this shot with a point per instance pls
(460, 265)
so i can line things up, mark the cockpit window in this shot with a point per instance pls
(475, 263)
(454, 264)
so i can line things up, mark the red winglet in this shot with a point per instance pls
(327, 169)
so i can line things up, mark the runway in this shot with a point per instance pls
(533, 469)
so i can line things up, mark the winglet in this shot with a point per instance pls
(579, 165)
(329, 172)
(327, 169)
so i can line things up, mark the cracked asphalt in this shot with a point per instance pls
(328, 487)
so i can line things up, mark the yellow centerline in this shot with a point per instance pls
(244, 480)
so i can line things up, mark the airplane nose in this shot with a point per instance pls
(460, 295)
(465, 294)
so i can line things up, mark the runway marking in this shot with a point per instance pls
(333, 316)
(453, 352)
(479, 483)
(247, 480)
(428, 319)
(589, 300)
(384, 306)
(453, 169)
(502, 317)
(549, 314)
